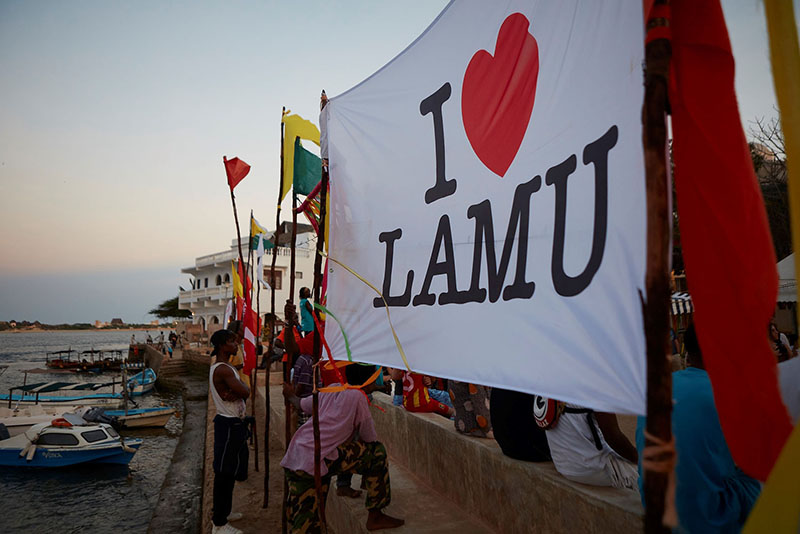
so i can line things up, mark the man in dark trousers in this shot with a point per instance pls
(230, 430)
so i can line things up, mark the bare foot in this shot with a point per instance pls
(377, 520)
(347, 491)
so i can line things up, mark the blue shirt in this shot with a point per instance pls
(712, 494)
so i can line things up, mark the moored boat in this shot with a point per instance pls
(142, 382)
(20, 419)
(66, 441)
(142, 417)
(32, 394)
(62, 359)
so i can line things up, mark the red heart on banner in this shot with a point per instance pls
(498, 93)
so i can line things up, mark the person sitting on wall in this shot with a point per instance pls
(471, 406)
(341, 414)
(711, 493)
(417, 396)
(589, 447)
(515, 428)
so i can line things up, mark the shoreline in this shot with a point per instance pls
(40, 330)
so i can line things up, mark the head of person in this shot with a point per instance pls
(774, 334)
(694, 355)
(224, 343)
(357, 375)
(305, 293)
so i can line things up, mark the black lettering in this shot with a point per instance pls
(484, 233)
(596, 153)
(401, 300)
(444, 237)
(433, 104)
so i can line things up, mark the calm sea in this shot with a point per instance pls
(88, 498)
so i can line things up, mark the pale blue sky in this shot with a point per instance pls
(114, 117)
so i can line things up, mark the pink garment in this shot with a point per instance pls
(341, 414)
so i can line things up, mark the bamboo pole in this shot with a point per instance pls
(656, 308)
(323, 197)
(287, 410)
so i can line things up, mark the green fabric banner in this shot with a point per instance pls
(307, 169)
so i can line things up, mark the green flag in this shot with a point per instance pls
(267, 243)
(307, 169)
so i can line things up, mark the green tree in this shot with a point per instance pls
(169, 310)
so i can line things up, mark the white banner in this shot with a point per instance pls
(490, 181)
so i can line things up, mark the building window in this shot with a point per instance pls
(275, 281)
(215, 320)
(206, 282)
(227, 278)
(219, 280)
(298, 275)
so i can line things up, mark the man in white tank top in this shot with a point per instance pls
(231, 454)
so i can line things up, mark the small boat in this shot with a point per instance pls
(142, 382)
(22, 418)
(142, 417)
(62, 359)
(66, 441)
(32, 394)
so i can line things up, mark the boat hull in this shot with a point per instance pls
(64, 456)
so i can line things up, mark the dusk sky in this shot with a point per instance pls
(114, 117)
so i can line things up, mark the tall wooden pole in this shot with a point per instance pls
(656, 308)
(286, 406)
(323, 197)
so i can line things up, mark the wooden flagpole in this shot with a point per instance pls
(254, 373)
(287, 410)
(655, 309)
(323, 194)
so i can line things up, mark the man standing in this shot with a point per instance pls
(230, 431)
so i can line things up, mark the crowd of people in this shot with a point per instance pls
(584, 445)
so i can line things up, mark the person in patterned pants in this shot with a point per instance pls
(342, 414)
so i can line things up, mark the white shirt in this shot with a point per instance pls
(789, 380)
(572, 446)
(234, 408)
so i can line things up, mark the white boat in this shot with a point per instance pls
(66, 441)
(20, 419)
(142, 417)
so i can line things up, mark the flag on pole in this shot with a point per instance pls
(307, 169)
(250, 333)
(294, 127)
(259, 233)
(260, 264)
(236, 170)
(238, 292)
(725, 236)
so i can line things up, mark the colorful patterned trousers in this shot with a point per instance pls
(366, 459)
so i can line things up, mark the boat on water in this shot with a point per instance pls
(63, 359)
(65, 441)
(142, 382)
(141, 417)
(98, 361)
(32, 394)
(20, 419)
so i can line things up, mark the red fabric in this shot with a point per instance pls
(730, 263)
(416, 397)
(236, 170)
(250, 336)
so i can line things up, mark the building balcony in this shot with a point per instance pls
(194, 298)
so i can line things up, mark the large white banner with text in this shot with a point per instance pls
(489, 180)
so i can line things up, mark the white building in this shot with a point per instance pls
(211, 278)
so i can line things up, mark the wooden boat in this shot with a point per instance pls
(66, 441)
(142, 417)
(32, 394)
(62, 359)
(142, 382)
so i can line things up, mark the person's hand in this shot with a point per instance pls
(228, 395)
(288, 391)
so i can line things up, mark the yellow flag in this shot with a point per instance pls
(777, 510)
(256, 228)
(294, 126)
(785, 59)
(238, 290)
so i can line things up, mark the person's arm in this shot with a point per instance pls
(614, 437)
(232, 387)
(290, 395)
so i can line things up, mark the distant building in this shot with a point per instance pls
(211, 277)
(116, 321)
(100, 324)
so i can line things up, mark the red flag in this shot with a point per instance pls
(236, 170)
(730, 262)
(250, 333)
(246, 285)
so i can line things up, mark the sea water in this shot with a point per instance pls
(89, 498)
